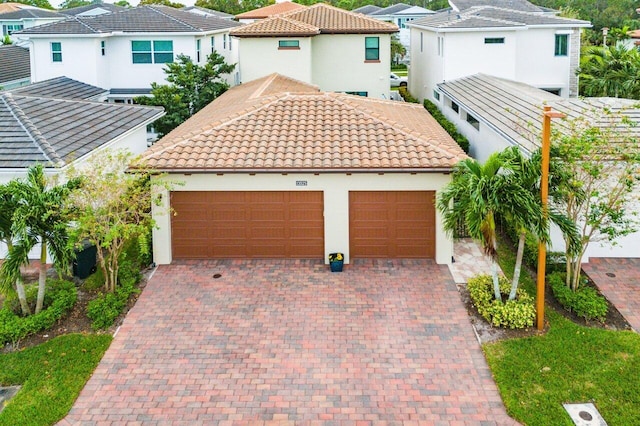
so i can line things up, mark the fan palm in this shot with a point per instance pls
(39, 218)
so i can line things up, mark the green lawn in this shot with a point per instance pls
(570, 363)
(51, 375)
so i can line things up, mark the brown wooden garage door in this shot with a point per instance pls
(393, 224)
(247, 225)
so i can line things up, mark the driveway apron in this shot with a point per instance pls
(285, 341)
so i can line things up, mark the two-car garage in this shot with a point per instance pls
(291, 224)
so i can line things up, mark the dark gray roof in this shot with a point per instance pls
(390, 10)
(140, 19)
(61, 88)
(219, 14)
(514, 110)
(519, 5)
(118, 91)
(30, 14)
(489, 16)
(82, 9)
(14, 63)
(58, 131)
(367, 10)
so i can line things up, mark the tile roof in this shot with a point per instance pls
(519, 5)
(324, 19)
(61, 88)
(30, 14)
(139, 19)
(514, 109)
(204, 10)
(267, 11)
(489, 16)
(390, 10)
(279, 124)
(12, 7)
(58, 131)
(367, 10)
(15, 62)
(82, 9)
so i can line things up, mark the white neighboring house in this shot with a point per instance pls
(21, 19)
(337, 50)
(513, 39)
(92, 9)
(126, 51)
(207, 12)
(495, 113)
(400, 14)
(268, 11)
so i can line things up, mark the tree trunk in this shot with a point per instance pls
(518, 266)
(496, 282)
(42, 278)
(22, 297)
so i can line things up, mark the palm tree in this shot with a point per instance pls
(476, 195)
(8, 206)
(39, 218)
(610, 71)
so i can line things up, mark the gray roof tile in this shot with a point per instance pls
(58, 131)
(140, 19)
(520, 5)
(61, 88)
(82, 9)
(14, 63)
(367, 10)
(31, 14)
(390, 10)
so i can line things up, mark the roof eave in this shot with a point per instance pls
(170, 170)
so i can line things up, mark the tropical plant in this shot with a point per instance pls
(610, 71)
(398, 51)
(191, 87)
(41, 217)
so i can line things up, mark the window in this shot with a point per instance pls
(9, 29)
(156, 52)
(288, 44)
(455, 107)
(365, 94)
(553, 91)
(103, 47)
(213, 44)
(421, 41)
(494, 40)
(198, 45)
(56, 51)
(562, 45)
(473, 121)
(230, 40)
(440, 46)
(372, 48)
(224, 41)
(436, 95)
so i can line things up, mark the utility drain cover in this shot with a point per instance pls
(6, 394)
(584, 414)
(610, 274)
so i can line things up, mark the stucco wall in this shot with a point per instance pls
(336, 187)
(260, 57)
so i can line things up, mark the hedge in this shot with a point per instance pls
(585, 302)
(447, 125)
(518, 313)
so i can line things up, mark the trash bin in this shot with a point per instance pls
(85, 262)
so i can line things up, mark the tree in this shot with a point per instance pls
(8, 206)
(398, 51)
(39, 218)
(191, 88)
(122, 3)
(477, 194)
(68, 4)
(162, 3)
(610, 71)
(44, 4)
(601, 164)
(112, 207)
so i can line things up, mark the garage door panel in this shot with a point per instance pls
(397, 224)
(247, 224)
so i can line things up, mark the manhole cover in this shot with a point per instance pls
(610, 274)
(584, 414)
(216, 276)
(6, 394)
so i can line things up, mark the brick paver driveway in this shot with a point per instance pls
(289, 341)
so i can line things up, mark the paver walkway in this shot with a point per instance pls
(619, 280)
(384, 342)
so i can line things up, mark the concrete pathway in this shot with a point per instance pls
(619, 280)
(284, 342)
(469, 260)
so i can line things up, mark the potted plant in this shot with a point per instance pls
(336, 261)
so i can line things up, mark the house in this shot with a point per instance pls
(16, 69)
(400, 14)
(513, 39)
(128, 50)
(12, 7)
(367, 9)
(268, 11)
(63, 88)
(277, 168)
(337, 50)
(207, 12)
(26, 18)
(92, 9)
(495, 113)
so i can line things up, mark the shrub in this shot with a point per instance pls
(104, 309)
(584, 302)
(518, 313)
(63, 295)
(447, 125)
(406, 95)
(396, 67)
(95, 281)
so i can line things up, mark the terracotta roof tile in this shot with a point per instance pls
(278, 124)
(267, 11)
(316, 19)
